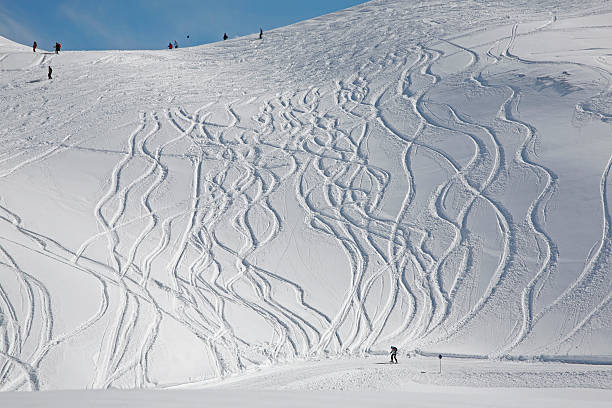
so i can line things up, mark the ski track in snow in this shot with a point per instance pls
(192, 255)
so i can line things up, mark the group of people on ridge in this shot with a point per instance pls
(57, 47)
(225, 37)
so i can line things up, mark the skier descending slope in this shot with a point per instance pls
(393, 354)
(50, 72)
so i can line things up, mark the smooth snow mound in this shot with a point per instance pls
(369, 382)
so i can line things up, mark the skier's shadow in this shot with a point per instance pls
(34, 81)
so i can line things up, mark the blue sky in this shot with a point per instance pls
(149, 24)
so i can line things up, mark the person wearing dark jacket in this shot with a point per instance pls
(34, 46)
(260, 33)
(58, 46)
(394, 354)
(50, 71)
(224, 36)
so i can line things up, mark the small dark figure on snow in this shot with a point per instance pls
(175, 44)
(58, 47)
(50, 72)
(169, 46)
(394, 354)
(260, 33)
(224, 36)
(34, 46)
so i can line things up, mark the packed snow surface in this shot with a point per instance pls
(364, 382)
(429, 175)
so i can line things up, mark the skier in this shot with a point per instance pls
(50, 71)
(57, 47)
(393, 354)
(260, 33)
(175, 44)
(34, 46)
(224, 36)
(170, 46)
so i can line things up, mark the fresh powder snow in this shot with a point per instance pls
(266, 218)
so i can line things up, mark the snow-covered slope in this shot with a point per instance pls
(433, 175)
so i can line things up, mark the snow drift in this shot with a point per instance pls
(433, 175)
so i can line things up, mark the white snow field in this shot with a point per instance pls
(429, 175)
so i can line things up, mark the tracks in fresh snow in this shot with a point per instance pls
(399, 180)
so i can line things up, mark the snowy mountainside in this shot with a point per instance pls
(8, 45)
(433, 175)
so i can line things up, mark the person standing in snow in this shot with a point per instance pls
(170, 46)
(34, 46)
(50, 71)
(57, 47)
(224, 36)
(394, 354)
(175, 44)
(260, 33)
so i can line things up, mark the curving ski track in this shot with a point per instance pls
(198, 201)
